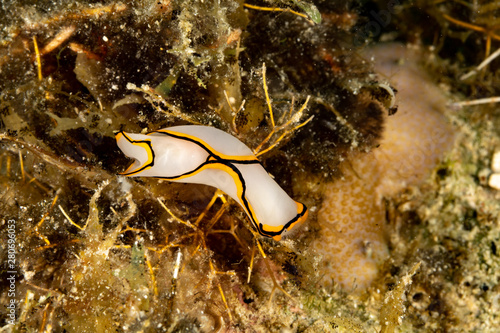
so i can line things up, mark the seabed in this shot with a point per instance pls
(86, 250)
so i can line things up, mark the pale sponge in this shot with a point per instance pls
(352, 218)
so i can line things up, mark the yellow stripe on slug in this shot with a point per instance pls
(300, 210)
(271, 231)
(118, 135)
(240, 187)
(146, 145)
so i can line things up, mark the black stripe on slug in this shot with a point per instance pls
(286, 226)
(150, 149)
(207, 149)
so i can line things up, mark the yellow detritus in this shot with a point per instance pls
(288, 127)
(276, 9)
(267, 94)
(63, 35)
(69, 218)
(38, 60)
(488, 31)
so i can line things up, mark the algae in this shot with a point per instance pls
(95, 252)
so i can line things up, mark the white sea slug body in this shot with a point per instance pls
(206, 155)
